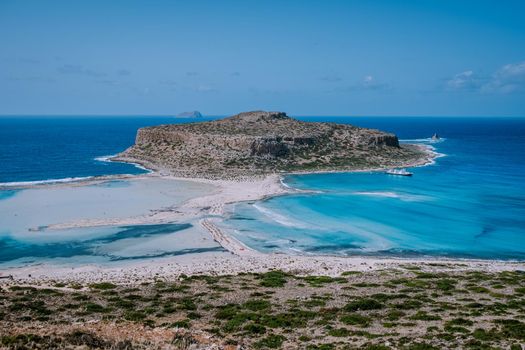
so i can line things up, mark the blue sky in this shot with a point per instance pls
(439, 58)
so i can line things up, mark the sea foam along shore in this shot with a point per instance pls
(208, 209)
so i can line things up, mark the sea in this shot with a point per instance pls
(470, 203)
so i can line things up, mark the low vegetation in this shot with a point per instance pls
(258, 143)
(407, 309)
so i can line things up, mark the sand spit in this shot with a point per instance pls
(207, 210)
(213, 204)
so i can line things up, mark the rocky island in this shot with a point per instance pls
(192, 114)
(259, 143)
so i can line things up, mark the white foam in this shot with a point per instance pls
(296, 251)
(281, 219)
(284, 184)
(43, 182)
(108, 159)
(425, 140)
(390, 194)
(105, 158)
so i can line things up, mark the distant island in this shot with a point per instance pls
(193, 114)
(260, 143)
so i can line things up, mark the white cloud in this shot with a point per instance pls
(367, 83)
(509, 78)
(79, 70)
(371, 83)
(463, 80)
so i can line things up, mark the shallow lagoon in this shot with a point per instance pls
(471, 203)
(23, 212)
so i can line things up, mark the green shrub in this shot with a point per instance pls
(363, 304)
(257, 304)
(254, 328)
(134, 316)
(512, 328)
(460, 322)
(446, 284)
(339, 332)
(421, 346)
(272, 341)
(181, 324)
(356, 319)
(273, 279)
(102, 286)
(318, 281)
(92, 307)
(424, 316)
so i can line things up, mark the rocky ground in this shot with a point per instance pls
(414, 307)
(258, 143)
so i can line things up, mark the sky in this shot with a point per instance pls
(323, 58)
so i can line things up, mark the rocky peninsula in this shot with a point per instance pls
(261, 143)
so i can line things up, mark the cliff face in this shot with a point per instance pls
(264, 142)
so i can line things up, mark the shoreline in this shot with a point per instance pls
(239, 258)
(225, 263)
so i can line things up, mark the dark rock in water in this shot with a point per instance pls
(265, 142)
(194, 114)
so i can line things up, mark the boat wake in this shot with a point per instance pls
(424, 140)
(389, 194)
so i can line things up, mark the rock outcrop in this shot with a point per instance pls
(260, 142)
(194, 114)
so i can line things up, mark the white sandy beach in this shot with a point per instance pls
(55, 210)
(218, 263)
(166, 199)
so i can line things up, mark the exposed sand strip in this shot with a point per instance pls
(225, 192)
(207, 209)
(227, 242)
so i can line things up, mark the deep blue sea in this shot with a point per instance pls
(470, 203)
(44, 148)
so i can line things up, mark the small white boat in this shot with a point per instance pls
(400, 172)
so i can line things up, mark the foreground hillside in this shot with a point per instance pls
(255, 143)
(409, 308)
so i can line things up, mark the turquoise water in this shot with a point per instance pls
(471, 203)
(91, 244)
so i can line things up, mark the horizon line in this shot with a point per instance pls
(228, 115)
